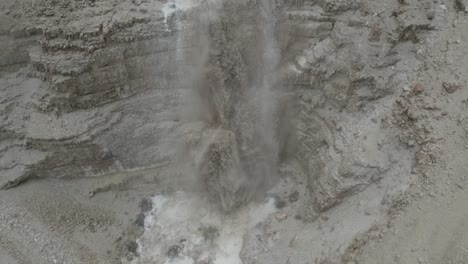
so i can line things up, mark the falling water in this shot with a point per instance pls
(229, 142)
(265, 92)
(260, 152)
(240, 162)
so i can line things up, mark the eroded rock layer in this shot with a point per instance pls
(96, 86)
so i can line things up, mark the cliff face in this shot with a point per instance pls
(77, 76)
(94, 86)
(329, 98)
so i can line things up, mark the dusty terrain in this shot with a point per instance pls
(139, 131)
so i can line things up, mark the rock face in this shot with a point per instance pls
(343, 80)
(96, 86)
(70, 73)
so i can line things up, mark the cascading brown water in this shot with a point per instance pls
(231, 102)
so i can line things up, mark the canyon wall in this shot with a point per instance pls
(97, 86)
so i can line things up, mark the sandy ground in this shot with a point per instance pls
(72, 221)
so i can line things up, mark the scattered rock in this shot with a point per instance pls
(279, 202)
(132, 247)
(174, 251)
(430, 14)
(293, 197)
(418, 88)
(375, 33)
(281, 217)
(410, 32)
(451, 87)
(49, 13)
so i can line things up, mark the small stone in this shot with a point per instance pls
(49, 13)
(293, 197)
(293, 242)
(375, 32)
(281, 217)
(451, 87)
(279, 203)
(418, 88)
(411, 143)
(275, 236)
(430, 14)
(132, 247)
(174, 251)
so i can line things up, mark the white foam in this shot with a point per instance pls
(230, 246)
(231, 237)
(172, 6)
(157, 201)
(259, 213)
(181, 216)
(168, 9)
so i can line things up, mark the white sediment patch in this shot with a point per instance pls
(179, 220)
(172, 6)
(168, 10)
(158, 201)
